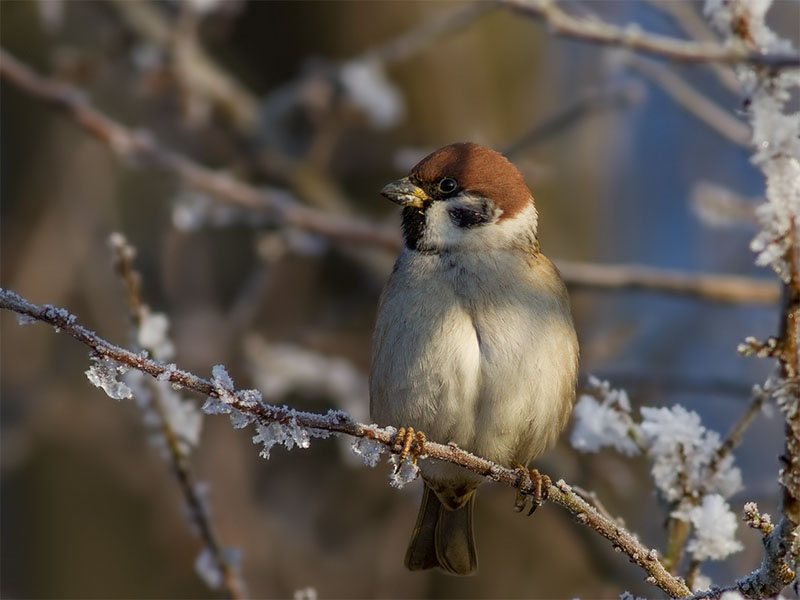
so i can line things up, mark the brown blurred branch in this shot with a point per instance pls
(718, 288)
(199, 512)
(141, 146)
(559, 493)
(195, 68)
(632, 37)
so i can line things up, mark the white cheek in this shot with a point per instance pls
(441, 233)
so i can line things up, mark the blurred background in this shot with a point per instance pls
(324, 103)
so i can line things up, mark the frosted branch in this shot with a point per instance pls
(264, 415)
(632, 37)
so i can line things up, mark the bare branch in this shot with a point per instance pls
(689, 98)
(199, 513)
(337, 422)
(349, 229)
(632, 37)
(718, 288)
(144, 147)
(689, 19)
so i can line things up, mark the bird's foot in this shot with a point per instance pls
(539, 485)
(408, 442)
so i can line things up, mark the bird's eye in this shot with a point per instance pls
(448, 185)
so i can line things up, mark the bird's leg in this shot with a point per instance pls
(540, 484)
(408, 442)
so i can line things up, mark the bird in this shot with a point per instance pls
(474, 342)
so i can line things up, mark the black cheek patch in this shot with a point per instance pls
(466, 218)
(413, 226)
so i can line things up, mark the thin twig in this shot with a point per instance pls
(194, 67)
(685, 15)
(689, 98)
(559, 493)
(591, 102)
(137, 145)
(349, 229)
(632, 37)
(718, 288)
(199, 513)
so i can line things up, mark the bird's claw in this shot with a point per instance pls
(408, 442)
(539, 485)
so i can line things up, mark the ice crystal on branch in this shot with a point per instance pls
(402, 472)
(714, 524)
(221, 378)
(103, 374)
(776, 131)
(152, 334)
(369, 450)
(288, 434)
(207, 566)
(683, 452)
(604, 423)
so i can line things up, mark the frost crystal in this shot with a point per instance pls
(402, 473)
(221, 378)
(181, 415)
(25, 319)
(290, 434)
(207, 567)
(308, 593)
(369, 450)
(103, 374)
(367, 86)
(152, 334)
(776, 131)
(701, 582)
(714, 524)
(215, 406)
(682, 451)
(605, 423)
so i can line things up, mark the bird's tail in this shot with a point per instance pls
(443, 537)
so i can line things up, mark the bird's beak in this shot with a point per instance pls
(405, 193)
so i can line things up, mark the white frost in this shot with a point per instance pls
(682, 451)
(103, 374)
(367, 86)
(289, 434)
(714, 523)
(402, 473)
(152, 334)
(605, 423)
(369, 450)
(219, 375)
(206, 566)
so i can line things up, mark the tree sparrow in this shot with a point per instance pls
(474, 342)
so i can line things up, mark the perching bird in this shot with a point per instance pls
(474, 342)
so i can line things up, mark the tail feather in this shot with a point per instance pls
(443, 537)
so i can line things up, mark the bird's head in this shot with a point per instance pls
(465, 197)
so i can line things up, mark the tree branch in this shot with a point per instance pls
(338, 422)
(138, 145)
(632, 37)
(717, 288)
(177, 452)
(692, 100)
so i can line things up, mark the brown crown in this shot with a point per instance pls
(478, 170)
